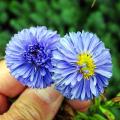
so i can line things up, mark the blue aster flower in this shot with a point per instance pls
(82, 66)
(28, 56)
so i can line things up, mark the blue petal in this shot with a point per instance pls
(77, 90)
(67, 91)
(80, 45)
(79, 77)
(57, 55)
(28, 73)
(37, 78)
(92, 87)
(70, 78)
(93, 43)
(106, 67)
(52, 42)
(75, 39)
(104, 63)
(86, 39)
(88, 91)
(104, 80)
(102, 57)
(56, 77)
(42, 71)
(94, 80)
(100, 84)
(48, 79)
(39, 82)
(83, 91)
(98, 49)
(21, 70)
(67, 53)
(62, 64)
(32, 75)
(66, 43)
(103, 72)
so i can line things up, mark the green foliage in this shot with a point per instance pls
(99, 16)
(102, 109)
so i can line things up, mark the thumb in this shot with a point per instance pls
(35, 104)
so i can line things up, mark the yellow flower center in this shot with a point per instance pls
(86, 62)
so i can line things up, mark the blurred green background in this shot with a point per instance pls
(71, 15)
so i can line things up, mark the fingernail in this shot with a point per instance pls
(49, 94)
(79, 105)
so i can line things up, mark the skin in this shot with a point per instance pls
(33, 104)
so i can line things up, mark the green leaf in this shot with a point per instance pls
(118, 94)
(109, 103)
(107, 113)
(4, 38)
(3, 5)
(99, 117)
(3, 17)
(81, 116)
(15, 8)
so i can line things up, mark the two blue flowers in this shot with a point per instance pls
(78, 64)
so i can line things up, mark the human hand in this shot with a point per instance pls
(33, 104)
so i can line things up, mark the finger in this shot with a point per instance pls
(9, 86)
(35, 105)
(4, 104)
(78, 105)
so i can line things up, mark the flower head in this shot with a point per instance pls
(28, 56)
(82, 66)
